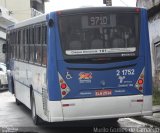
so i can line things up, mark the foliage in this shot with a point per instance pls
(156, 96)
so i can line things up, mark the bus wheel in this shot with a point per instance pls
(17, 101)
(114, 120)
(0, 84)
(36, 119)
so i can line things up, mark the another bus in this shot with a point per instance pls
(82, 64)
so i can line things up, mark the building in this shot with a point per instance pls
(5, 21)
(153, 7)
(24, 9)
(12, 11)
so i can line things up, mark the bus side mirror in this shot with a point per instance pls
(4, 48)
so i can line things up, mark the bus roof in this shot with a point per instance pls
(98, 9)
(42, 18)
(30, 21)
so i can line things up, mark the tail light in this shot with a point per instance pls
(63, 86)
(137, 10)
(140, 82)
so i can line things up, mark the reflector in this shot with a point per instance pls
(63, 93)
(140, 88)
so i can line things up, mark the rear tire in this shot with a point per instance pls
(17, 101)
(12, 85)
(0, 84)
(114, 120)
(35, 117)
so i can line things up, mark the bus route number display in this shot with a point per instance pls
(98, 20)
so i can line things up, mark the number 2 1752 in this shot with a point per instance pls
(125, 72)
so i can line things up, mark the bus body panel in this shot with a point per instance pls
(147, 105)
(26, 75)
(87, 109)
(101, 108)
(101, 78)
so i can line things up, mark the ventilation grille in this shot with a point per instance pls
(45, 101)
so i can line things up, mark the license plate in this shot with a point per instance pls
(103, 92)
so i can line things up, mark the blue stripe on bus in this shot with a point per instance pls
(146, 50)
(52, 74)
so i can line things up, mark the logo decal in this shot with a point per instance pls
(121, 79)
(85, 77)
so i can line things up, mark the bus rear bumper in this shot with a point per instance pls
(102, 108)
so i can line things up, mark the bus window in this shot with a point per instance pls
(31, 53)
(38, 54)
(21, 52)
(38, 38)
(97, 35)
(28, 37)
(31, 44)
(17, 51)
(19, 37)
(26, 47)
(24, 36)
(44, 57)
(44, 45)
(31, 33)
(44, 34)
(11, 50)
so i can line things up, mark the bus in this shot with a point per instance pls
(81, 64)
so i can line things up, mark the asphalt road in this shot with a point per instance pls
(14, 118)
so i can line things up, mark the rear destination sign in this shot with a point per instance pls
(100, 51)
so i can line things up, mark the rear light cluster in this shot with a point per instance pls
(140, 82)
(63, 86)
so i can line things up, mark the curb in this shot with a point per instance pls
(156, 111)
(148, 120)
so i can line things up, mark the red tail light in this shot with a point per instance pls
(140, 81)
(137, 10)
(63, 86)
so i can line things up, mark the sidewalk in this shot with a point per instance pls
(155, 119)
